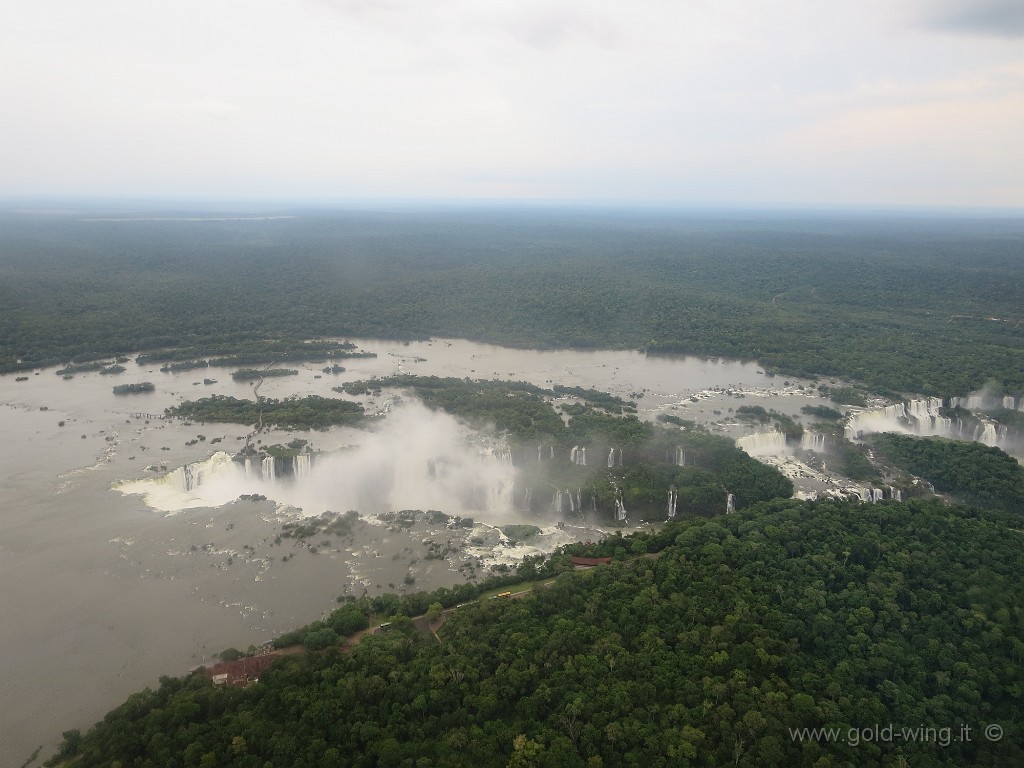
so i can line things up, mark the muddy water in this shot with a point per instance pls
(101, 594)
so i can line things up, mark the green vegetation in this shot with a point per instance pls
(822, 412)
(133, 389)
(900, 304)
(516, 407)
(595, 399)
(81, 368)
(256, 352)
(756, 413)
(972, 472)
(735, 633)
(249, 374)
(668, 418)
(852, 459)
(845, 395)
(310, 412)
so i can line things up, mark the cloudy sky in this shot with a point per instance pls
(722, 102)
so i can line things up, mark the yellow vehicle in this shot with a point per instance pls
(504, 594)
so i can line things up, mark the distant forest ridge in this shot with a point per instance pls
(921, 305)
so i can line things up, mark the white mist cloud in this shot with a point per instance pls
(417, 459)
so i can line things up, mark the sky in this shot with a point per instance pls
(683, 102)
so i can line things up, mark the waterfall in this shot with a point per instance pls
(620, 509)
(730, 504)
(267, 469)
(762, 443)
(812, 441)
(989, 434)
(248, 467)
(301, 466)
(895, 494)
(185, 477)
(526, 500)
(574, 454)
(539, 457)
(189, 477)
(1009, 403)
(556, 502)
(916, 417)
(611, 457)
(680, 459)
(552, 452)
(672, 499)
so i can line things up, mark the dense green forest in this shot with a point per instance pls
(310, 412)
(923, 305)
(971, 472)
(711, 642)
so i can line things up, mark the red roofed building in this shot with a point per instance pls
(589, 562)
(242, 672)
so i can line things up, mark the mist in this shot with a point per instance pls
(415, 459)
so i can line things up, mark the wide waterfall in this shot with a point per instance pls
(924, 417)
(268, 469)
(578, 456)
(302, 465)
(763, 443)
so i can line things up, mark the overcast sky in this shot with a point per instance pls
(730, 102)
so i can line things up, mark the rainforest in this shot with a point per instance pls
(516, 487)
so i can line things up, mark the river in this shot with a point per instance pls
(103, 594)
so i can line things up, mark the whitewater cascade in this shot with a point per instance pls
(267, 469)
(578, 456)
(924, 417)
(556, 502)
(248, 467)
(620, 509)
(763, 443)
(680, 460)
(191, 476)
(673, 498)
(812, 441)
(730, 504)
(539, 457)
(302, 465)
(526, 500)
(614, 457)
